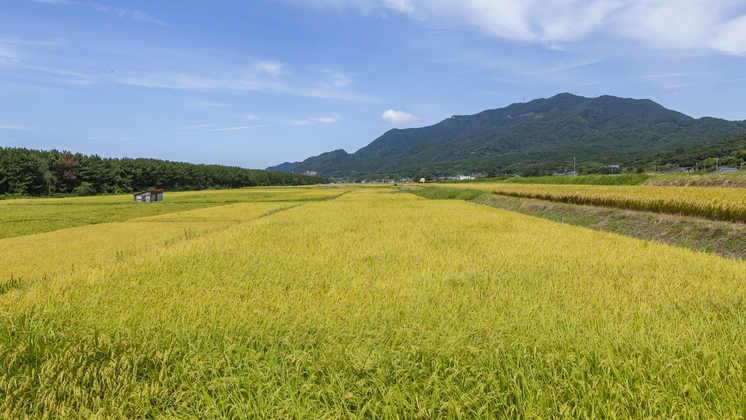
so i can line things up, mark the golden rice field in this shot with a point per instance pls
(29, 216)
(708, 202)
(377, 304)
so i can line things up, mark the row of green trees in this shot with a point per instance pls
(25, 172)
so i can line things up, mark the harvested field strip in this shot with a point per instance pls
(385, 306)
(711, 203)
(65, 251)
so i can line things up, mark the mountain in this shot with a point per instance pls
(533, 137)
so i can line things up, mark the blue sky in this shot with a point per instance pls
(254, 83)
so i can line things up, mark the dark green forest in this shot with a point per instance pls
(25, 172)
(729, 152)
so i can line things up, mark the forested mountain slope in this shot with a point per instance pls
(533, 137)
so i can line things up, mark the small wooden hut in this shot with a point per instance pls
(149, 196)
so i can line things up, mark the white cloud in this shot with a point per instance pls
(238, 128)
(7, 53)
(665, 24)
(230, 129)
(237, 80)
(270, 67)
(731, 37)
(398, 117)
(404, 6)
(327, 120)
(252, 118)
(338, 79)
(15, 127)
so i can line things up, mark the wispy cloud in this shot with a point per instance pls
(138, 16)
(194, 127)
(324, 120)
(238, 80)
(338, 79)
(328, 120)
(668, 24)
(15, 127)
(239, 128)
(272, 68)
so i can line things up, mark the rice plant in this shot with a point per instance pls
(383, 305)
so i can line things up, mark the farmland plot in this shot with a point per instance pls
(384, 305)
(30, 216)
(707, 202)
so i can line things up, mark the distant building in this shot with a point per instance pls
(149, 196)
(681, 169)
(727, 170)
(311, 173)
(571, 173)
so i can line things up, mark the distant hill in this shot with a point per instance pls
(534, 137)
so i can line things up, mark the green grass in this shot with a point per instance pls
(445, 193)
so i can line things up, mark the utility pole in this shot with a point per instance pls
(574, 169)
(717, 164)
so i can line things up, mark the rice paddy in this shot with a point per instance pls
(709, 202)
(373, 304)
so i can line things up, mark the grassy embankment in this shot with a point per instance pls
(384, 305)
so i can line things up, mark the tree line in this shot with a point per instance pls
(26, 172)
